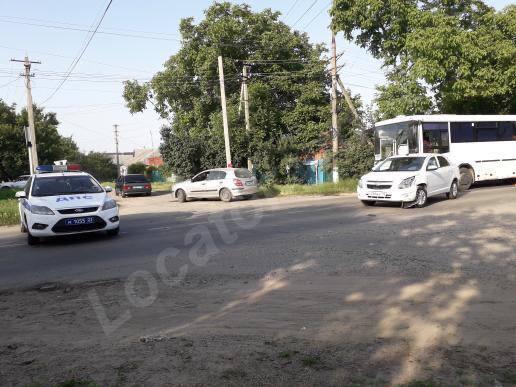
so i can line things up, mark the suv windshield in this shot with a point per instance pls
(135, 179)
(400, 164)
(64, 185)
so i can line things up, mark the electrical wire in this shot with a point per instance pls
(317, 15)
(304, 13)
(291, 8)
(9, 83)
(76, 61)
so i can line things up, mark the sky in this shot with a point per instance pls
(135, 39)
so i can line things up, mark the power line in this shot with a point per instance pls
(75, 62)
(10, 82)
(317, 15)
(291, 8)
(304, 13)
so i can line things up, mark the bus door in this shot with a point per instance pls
(387, 147)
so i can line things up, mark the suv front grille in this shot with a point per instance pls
(378, 186)
(78, 211)
(62, 227)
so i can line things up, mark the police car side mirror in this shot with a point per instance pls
(108, 188)
(20, 195)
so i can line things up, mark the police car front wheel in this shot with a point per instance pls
(32, 240)
(113, 232)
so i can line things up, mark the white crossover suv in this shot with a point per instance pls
(410, 180)
(64, 203)
(223, 183)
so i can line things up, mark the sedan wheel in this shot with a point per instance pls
(181, 196)
(225, 195)
(421, 197)
(454, 191)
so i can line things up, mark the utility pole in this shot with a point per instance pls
(349, 100)
(151, 138)
(31, 138)
(224, 113)
(334, 116)
(246, 111)
(116, 149)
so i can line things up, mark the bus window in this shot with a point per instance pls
(487, 131)
(435, 137)
(462, 131)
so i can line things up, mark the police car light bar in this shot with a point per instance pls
(58, 168)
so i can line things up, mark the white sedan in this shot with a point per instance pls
(64, 203)
(410, 180)
(223, 183)
(19, 182)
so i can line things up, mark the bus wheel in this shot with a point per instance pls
(466, 178)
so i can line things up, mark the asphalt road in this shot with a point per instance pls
(247, 238)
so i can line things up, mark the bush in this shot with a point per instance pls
(137, 168)
(357, 157)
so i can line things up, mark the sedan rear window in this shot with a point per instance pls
(243, 173)
(135, 179)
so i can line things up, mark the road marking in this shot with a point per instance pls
(12, 245)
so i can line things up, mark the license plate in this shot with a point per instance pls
(249, 183)
(379, 194)
(138, 186)
(80, 221)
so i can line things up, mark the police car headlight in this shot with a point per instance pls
(406, 183)
(108, 204)
(41, 210)
(360, 183)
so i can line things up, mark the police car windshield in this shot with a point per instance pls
(400, 164)
(64, 185)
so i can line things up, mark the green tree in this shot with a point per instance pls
(98, 165)
(287, 87)
(138, 168)
(13, 152)
(459, 52)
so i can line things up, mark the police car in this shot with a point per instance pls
(59, 200)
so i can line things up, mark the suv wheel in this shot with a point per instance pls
(225, 195)
(421, 197)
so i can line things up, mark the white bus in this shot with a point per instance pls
(483, 146)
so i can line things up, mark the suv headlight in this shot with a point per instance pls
(360, 183)
(406, 183)
(41, 210)
(108, 204)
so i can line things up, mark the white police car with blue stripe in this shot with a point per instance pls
(59, 202)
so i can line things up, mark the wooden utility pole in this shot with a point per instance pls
(246, 111)
(115, 126)
(224, 113)
(31, 135)
(349, 100)
(334, 115)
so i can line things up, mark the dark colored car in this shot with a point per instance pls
(133, 185)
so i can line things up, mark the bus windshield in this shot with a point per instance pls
(400, 164)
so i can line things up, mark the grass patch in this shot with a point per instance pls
(8, 207)
(311, 361)
(344, 186)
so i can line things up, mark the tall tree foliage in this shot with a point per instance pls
(13, 152)
(461, 52)
(288, 92)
